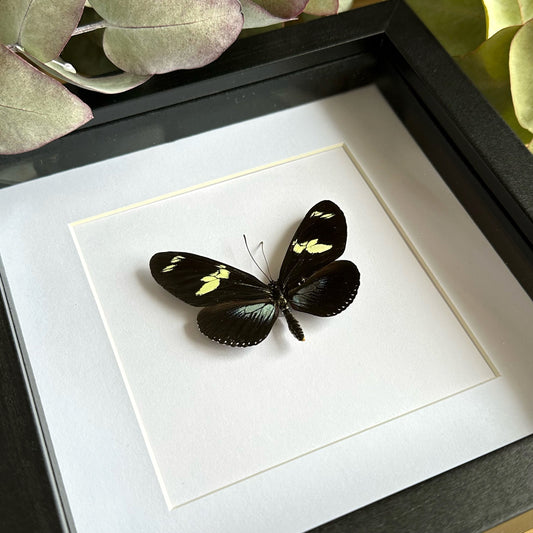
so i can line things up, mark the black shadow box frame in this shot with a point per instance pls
(478, 156)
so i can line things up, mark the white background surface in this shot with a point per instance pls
(214, 415)
(99, 447)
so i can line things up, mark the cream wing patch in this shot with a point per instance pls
(312, 246)
(212, 281)
(173, 262)
(322, 215)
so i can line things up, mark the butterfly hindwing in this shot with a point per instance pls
(328, 291)
(239, 309)
(319, 240)
(238, 323)
(202, 282)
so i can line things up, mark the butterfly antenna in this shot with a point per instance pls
(256, 264)
(266, 260)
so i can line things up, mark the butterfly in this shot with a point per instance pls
(239, 309)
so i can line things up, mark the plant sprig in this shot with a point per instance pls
(492, 42)
(43, 41)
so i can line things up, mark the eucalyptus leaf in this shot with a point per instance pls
(322, 7)
(41, 27)
(85, 49)
(488, 68)
(287, 9)
(156, 37)
(256, 16)
(110, 84)
(521, 73)
(34, 108)
(459, 25)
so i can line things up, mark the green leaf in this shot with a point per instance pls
(256, 16)
(488, 68)
(287, 9)
(41, 27)
(322, 7)
(155, 37)
(521, 73)
(34, 108)
(459, 25)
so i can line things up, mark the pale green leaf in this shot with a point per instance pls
(526, 8)
(41, 27)
(34, 108)
(287, 9)
(459, 25)
(488, 68)
(322, 7)
(155, 37)
(256, 16)
(521, 71)
(504, 13)
(501, 14)
(346, 5)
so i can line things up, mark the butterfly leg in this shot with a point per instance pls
(294, 325)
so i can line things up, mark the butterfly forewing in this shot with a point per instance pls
(238, 323)
(328, 291)
(319, 240)
(239, 309)
(202, 282)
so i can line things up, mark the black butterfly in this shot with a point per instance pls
(239, 309)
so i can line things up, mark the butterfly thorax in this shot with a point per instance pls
(279, 299)
(277, 294)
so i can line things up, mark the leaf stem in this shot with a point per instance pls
(90, 27)
(14, 48)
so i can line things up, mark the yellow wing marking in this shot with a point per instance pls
(312, 247)
(173, 262)
(298, 248)
(212, 281)
(322, 215)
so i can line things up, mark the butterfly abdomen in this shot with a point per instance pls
(283, 305)
(294, 325)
